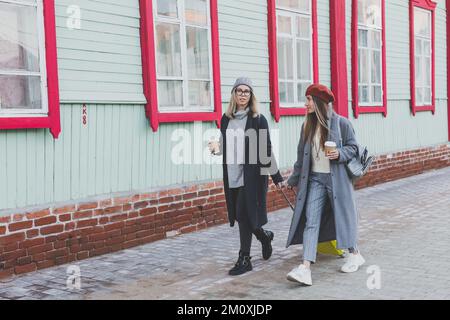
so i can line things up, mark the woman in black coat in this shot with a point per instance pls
(244, 138)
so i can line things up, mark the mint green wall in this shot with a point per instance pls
(118, 152)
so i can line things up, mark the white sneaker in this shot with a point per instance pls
(353, 262)
(300, 274)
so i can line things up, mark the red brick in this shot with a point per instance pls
(32, 233)
(69, 226)
(52, 229)
(45, 221)
(16, 237)
(5, 220)
(119, 217)
(114, 226)
(45, 264)
(65, 217)
(56, 253)
(32, 243)
(141, 204)
(86, 206)
(6, 273)
(20, 226)
(148, 211)
(24, 261)
(66, 209)
(40, 249)
(83, 214)
(13, 255)
(111, 210)
(38, 214)
(2, 230)
(11, 247)
(26, 268)
(83, 255)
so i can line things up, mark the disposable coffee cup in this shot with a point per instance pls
(214, 145)
(330, 146)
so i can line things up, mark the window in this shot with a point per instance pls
(369, 57)
(422, 56)
(181, 60)
(293, 54)
(29, 95)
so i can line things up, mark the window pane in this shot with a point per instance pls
(286, 92)
(427, 95)
(303, 60)
(376, 94)
(427, 69)
(167, 8)
(422, 23)
(284, 24)
(290, 93)
(168, 49)
(170, 93)
(375, 39)
(418, 67)
(285, 58)
(419, 96)
(363, 94)
(282, 90)
(369, 12)
(199, 93)
(196, 12)
(301, 90)
(303, 25)
(363, 73)
(376, 67)
(197, 53)
(418, 48)
(20, 92)
(427, 48)
(19, 41)
(362, 38)
(303, 5)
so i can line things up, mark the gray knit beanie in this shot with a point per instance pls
(243, 81)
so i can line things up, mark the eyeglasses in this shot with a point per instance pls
(245, 93)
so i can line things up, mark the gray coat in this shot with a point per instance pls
(340, 220)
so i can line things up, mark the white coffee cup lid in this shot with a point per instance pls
(330, 144)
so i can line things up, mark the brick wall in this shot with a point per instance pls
(63, 234)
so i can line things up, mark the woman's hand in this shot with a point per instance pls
(333, 155)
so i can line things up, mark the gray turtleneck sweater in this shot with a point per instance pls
(236, 148)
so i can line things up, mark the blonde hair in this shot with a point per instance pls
(252, 104)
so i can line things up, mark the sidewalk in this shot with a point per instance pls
(404, 231)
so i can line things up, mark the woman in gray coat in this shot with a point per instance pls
(325, 207)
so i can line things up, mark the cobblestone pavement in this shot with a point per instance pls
(404, 236)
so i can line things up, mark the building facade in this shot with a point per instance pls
(106, 107)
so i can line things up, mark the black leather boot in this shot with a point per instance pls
(242, 265)
(266, 238)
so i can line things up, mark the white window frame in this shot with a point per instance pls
(293, 14)
(181, 21)
(43, 112)
(370, 49)
(422, 59)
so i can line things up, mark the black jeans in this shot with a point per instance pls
(246, 231)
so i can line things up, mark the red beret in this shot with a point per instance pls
(320, 91)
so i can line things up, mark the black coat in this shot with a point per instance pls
(255, 183)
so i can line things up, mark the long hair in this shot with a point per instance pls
(252, 104)
(318, 118)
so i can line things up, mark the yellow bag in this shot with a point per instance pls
(329, 248)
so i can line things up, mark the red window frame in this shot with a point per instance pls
(357, 109)
(52, 120)
(149, 72)
(430, 6)
(275, 107)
